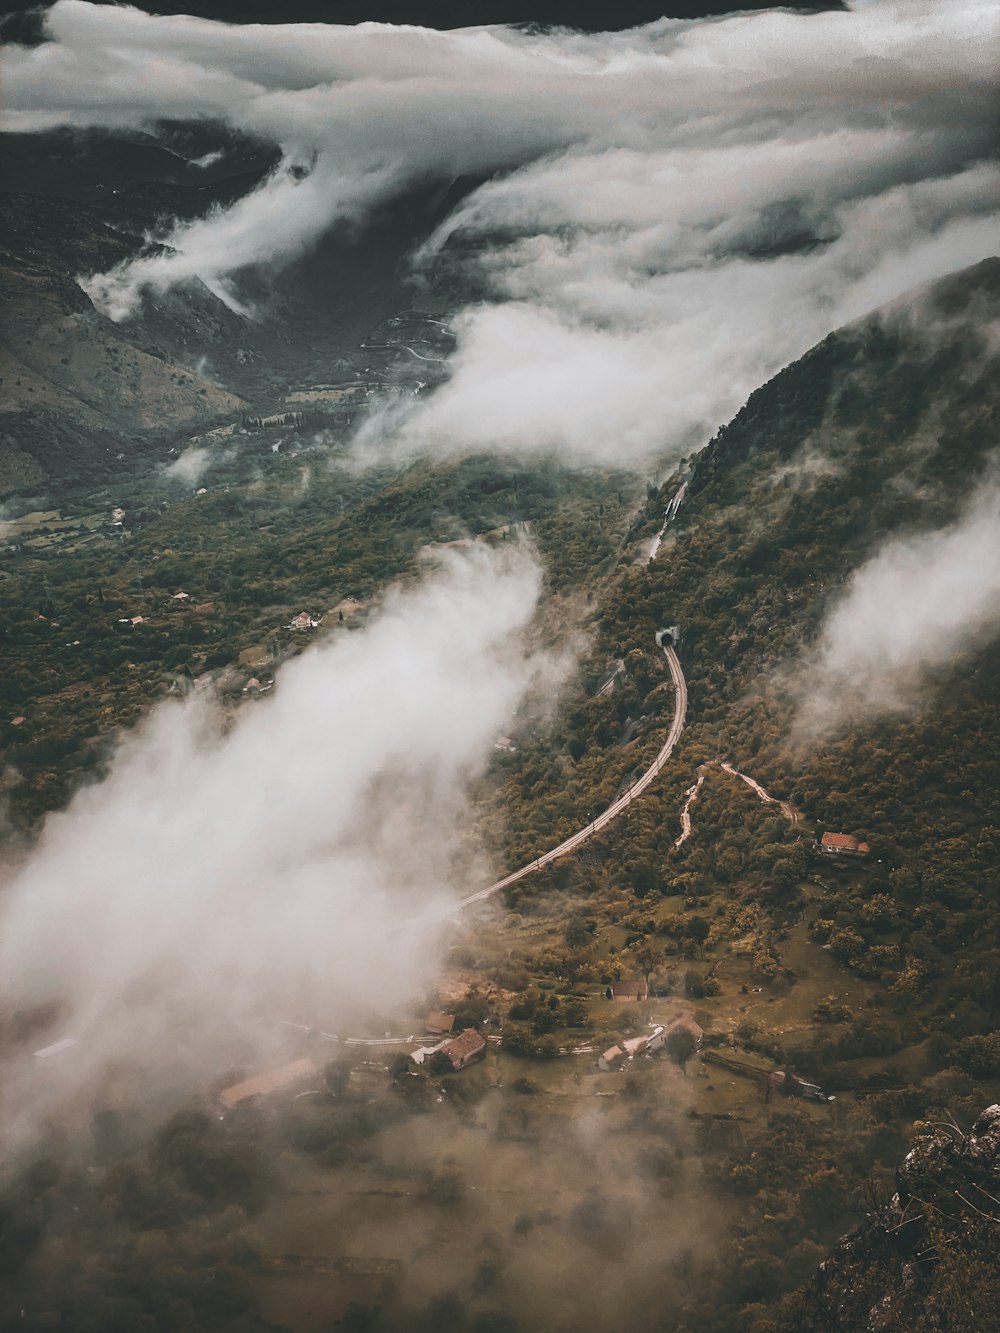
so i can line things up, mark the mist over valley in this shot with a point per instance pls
(499, 607)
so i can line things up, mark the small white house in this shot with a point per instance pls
(422, 1052)
(303, 621)
(657, 1038)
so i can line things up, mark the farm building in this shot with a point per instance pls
(467, 1046)
(264, 1085)
(613, 1058)
(438, 1024)
(303, 621)
(837, 844)
(627, 991)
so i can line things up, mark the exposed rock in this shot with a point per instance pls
(927, 1260)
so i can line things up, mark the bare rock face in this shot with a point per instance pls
(928, 1260)
(949, 1163)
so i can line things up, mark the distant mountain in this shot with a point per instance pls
(586, 15)
(77, 390)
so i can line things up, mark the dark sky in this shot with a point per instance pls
(592, 15)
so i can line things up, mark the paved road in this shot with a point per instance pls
(614, 810)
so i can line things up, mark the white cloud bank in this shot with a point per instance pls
(647, 188)
(920, 603)
(190, 466)
(291, 862)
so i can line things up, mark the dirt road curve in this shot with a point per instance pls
(790, 813)
(692, 795)
(614, 810)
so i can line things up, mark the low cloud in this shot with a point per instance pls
(291, 861)
(190, 466)
(615, 347)
(671, 213)
(921, 603)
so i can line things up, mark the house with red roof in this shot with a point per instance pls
(839, 844)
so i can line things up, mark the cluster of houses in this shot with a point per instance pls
(616, 1057)
(302, 1075)
(290, 419)
(463, 1049)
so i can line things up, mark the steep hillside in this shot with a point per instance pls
(78, 390)
(874, 976)
(62, 357)
(75, 393)
(884, 430)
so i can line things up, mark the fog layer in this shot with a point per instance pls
(289, 862)
(672, 212)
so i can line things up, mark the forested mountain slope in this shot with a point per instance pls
(874, 442)
(884, 430)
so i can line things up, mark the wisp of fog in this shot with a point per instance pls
(670, 214)
(922, 601)
(293, 860)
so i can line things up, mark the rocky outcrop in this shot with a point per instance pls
(928, 1260)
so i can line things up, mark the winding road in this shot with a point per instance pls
(613, 810)
(785, 807)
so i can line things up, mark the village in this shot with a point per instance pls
(445, 1049)
(404, 355)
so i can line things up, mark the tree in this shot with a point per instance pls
(337, 1075)
(447, 1185)
(642, 877)
(697, 929)
(576, 934)
(440, 1064)
(680, 1046)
